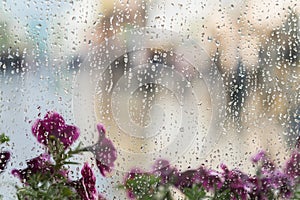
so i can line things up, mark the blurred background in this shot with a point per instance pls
(153, 99)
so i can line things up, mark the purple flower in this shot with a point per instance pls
(164, 170)
(209, 179)
(236, 181)
(53, 124)
(267, 184)
(4, 157)
(271, 179)
(260, 187)
(282, 183)
(40, 164)
(266, 163)
(131, 175)
(86, 186)
(186, 179)
(292, 167)
(104, 151)
(259, 156)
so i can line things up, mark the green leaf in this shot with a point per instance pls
(3, 138)
(167, 195)
(224, 195)
(67, 192)
(57, 150)
(296, 192)
(47, 186)
(77, 150)
(143, 186)
(194, 193)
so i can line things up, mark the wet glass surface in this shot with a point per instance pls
(191, 82)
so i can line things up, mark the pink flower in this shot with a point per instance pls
(267, 165)
(261, 187)
(292, 167)
(283, 184)
(53, 124)
(259, 156)
(237, 182)
(209, 179)
(86, 186)
(186, 179)
(272, 179)
(132, 175)
(164, 170)
(104, 151)
(40, 164)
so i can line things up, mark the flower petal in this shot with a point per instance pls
(4, 157)
(104, 151)
(89, 182)
(40, 164)
(163, 169)
(53, 124)
(258, 157)
(292, 167)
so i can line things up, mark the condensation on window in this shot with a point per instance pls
(193, 82)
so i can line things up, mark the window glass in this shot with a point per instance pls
(191, 82)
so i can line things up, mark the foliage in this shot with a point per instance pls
(46, 176)
(269, 182)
